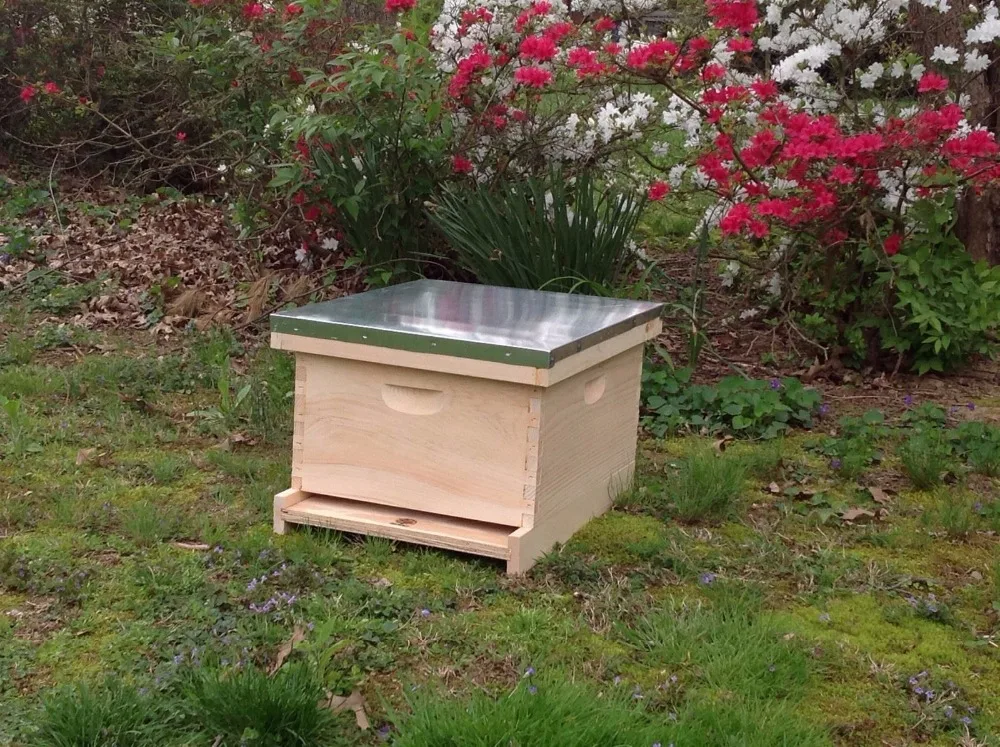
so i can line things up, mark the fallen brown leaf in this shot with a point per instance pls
(880, 496)
(857, 514)
(355, 702)
(298, 635)
(722, 443)
(83, 455)
(774, 488)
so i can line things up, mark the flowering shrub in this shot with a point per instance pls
(815, 143)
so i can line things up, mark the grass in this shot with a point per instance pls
(111, 714)
(246, 707)
(705, 487)
(144, 597)
(925, 459)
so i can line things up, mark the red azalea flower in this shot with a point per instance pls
(292, 9)
(253, 11)
(28, 93)
(657, 191)
(539, 48)
(533, 77)
(932, 82)
(51, 88)
(399, 6)
(893, 244)
(461, 165)
(181, 136)
(311, 214)
(605, 24)
(740, 44)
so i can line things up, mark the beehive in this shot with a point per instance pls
(493, 421)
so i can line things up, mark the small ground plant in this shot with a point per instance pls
(246, 707)
(706, 487)
(925, 457)
(112, 714)
(744, 407)
(539, 711)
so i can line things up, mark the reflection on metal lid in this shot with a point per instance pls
(509, 325)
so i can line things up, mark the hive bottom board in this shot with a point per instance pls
(519, 546)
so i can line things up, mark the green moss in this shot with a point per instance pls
(621, 538)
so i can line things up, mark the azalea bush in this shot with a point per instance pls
(814, 127)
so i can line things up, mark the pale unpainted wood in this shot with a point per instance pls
(283, 500)
(583, 446)
(531, 461)
(588, 358)
(298, 423)
(420, 527)
(529, 543)
(406, 359)
(466, 458)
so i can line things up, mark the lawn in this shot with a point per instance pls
(145, 598)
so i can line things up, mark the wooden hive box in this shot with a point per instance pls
(492, 421)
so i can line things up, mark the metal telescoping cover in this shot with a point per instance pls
(508, 325)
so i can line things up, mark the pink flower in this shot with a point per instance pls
(539, 48)
(534, 77)
(893, 244)
(740, 44)
(733, 14)
(28, 93)
(51, 88)
(558, 31)
(292, 9)
(181, 136)
(253, 11)
(311, 214)
(657, 191)
(604, 24)
(932, 82)
(399, 6)
(461, 165)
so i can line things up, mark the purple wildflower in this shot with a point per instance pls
(908, 400)
(949, 711)
(775, 384)
(706, 578)
(824, 408)
(835, 463)
(532, 689)
(425, 612)
(384, 733)
(529, 672)
(970, 406)
(966, 720)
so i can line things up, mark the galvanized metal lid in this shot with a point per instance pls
(508, 325)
